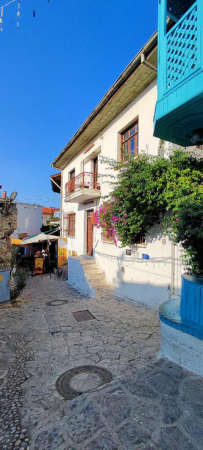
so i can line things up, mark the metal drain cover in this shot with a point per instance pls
(57, 302)
(82, 379)
(82, 316)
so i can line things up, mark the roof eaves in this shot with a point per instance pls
(148, 47)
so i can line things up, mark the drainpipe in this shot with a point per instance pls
(172, 268)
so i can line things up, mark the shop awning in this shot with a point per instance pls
(42, 237)
(15, 241)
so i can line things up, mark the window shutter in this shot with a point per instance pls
(93, 220)
(69, 224)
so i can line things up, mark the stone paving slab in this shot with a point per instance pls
(130, 413)
(149, 404)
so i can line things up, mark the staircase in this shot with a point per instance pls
(94, 274)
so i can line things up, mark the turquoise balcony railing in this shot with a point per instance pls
(179, 109)
(182, 50)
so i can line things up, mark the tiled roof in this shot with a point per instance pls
(49, 210)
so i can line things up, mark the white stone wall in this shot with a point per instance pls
(182, 349)
(77, 278)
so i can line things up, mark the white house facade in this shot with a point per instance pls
(29, 220)
(147, 272)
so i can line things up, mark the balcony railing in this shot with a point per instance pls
(86, 180)
(182, 57)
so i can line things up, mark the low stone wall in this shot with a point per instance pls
(182, 349)
(77, 278)
(8, 223)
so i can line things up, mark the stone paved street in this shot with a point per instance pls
(149, 404)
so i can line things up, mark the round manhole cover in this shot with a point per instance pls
(82, 379)
(57, 302)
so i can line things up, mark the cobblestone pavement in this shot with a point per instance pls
(149, 404)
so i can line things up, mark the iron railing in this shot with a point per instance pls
(86, 180)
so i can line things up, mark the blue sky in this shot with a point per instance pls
(54, 70)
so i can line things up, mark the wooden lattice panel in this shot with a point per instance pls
(182, 58)
(176, 8)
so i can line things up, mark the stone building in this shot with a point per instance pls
(8, 223)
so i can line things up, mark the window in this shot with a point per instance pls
(107, 237)
(69, 224)
(129, 140)
(141, 239)
(71, 184)
(72, 174)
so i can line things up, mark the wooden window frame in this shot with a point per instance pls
(69, 231)
(107, 238)
(129, 138)
(71, 174)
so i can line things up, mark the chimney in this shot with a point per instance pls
(4, 194)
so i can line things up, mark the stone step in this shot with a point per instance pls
(87, 262)
(98, 284)
(94, 273)
(96, 276)
(92, 269)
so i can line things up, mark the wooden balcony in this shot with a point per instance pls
(85, 186)
(179, 109)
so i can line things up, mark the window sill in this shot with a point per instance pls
(108, 242)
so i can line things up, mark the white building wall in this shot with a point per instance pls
(146, 281)
(46, 219)
(29, 219)
(182, 348)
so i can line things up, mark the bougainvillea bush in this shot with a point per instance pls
(147, 186)
(105, 220)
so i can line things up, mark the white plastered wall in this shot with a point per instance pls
(145, 281)
(182, 349)
(29, 219)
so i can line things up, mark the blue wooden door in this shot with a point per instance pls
(4, 285)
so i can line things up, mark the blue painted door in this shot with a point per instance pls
(4, 285)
